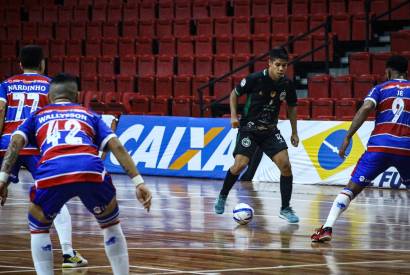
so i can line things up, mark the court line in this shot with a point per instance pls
(165, 269)
(286, 267)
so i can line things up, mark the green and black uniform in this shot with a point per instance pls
(258, 125)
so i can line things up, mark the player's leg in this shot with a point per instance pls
(62, 223)
(244, 148)
(368, 167)
(100, 200)
(44, 207)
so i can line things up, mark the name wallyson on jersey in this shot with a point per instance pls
(17, 87)
(62, 116)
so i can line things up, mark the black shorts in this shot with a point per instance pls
(270, 142)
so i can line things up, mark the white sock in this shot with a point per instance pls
(340, 204)
(62, 223)
(42, 253)
(116, 249)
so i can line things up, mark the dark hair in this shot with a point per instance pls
(31, 56)
(278, 53)
(397, 63)
(63, 78)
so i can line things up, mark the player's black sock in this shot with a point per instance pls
(229, 181)
(286, 190)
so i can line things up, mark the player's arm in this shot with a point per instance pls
(3, 107)
(143, 193)
(16, 144)
(233, 104)
(292, 114)
(360, 117)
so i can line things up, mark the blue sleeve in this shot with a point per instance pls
(103, 133)
(374, 95)
(3, 93)
(27, 130)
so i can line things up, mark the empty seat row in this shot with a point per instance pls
(372, 63)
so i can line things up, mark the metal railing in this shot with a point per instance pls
(325, 25)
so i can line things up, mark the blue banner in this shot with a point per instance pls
(176, 146)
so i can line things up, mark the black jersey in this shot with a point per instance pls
(264, 97)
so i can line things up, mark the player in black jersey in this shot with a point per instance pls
(265, 91)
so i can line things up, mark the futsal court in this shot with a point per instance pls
(182, 235)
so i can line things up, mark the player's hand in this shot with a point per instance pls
(294, 139)
(234, 122)
(345, 144)
(3, 192)
(144, 196)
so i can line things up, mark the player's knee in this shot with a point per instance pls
(238, 167)
(108, 216)
(285, 168)
(38, 223)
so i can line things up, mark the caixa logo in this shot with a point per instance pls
(194, 147)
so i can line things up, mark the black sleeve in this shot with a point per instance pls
(244, 87)
(291, 97)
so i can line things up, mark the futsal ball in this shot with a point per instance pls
(242, 213)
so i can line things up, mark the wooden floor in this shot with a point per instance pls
(182, 235)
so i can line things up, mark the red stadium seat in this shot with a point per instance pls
(113, 103)
(62, 31)
(29, 30)
(242, 45)
(160, 105)
(359, 63)
(35, 14)
(128, 65)
(359, 26)
(78, 30)
(223, 88)
(337, 7)
(185, 65)
(163, 86)
(260, 8)
(146, 28)
(402, 13)
(89, 83)
(200, 9)
(241, 26)
(341, 87)
(196, 107)
(45, 31)
(378, 7)
(166, 45)
(54, 65)
(80, 14)
(379, 62)
(217, 8)
(320, 55)
(341, 25)
(146, 65)
(203, 45)
(50, 14)
(109, 47)
(355, 6)
(279, 7)
(65, 14)
(300, 7)
(146, 85)
(298, 24)
(72, 65)
(125, 83)
(99, 12)
(318, 86)
(163, 27)
(143, 46)
(223, 45)
(114, 12)
(203, 65)
(198, 81)
(301, 46)
(185, 46)
(181, 27)
(400, 41)
(88, 66)
(182, 9)
(223, 26)
(165, 66)
(126, 46)
(304, 107)
(260, 65)
(181, 106)
(45, 45)
(14, 31)
(93, 47)
(241, 8)
(110, 30)
(204, 26)
(93, 30)
(239, 60)
(134, 103)
(92, 96)
(318, 6)
(147, 10)
(322, 107)
(106, 83)
(278, 39)
(362, 85)
(106, 66)
(130, 29)
(261, 44)
(221, 65)
(262, 25)
(166, 9)
(130, 12)
(345, 107)
(316, 20)
(182, 86)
